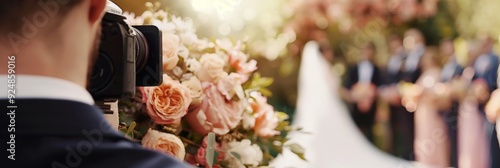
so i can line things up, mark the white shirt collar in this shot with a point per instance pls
(43, 87)
(365, 71)
(482, 64)
(414, 56)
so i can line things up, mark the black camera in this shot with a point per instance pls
(129, 56)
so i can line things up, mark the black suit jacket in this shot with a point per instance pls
(351, 78)
(64, 134)
(411, 76)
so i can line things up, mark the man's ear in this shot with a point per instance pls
(96, 10)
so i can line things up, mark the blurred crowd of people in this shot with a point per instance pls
(438, 104)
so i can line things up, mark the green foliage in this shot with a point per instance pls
(298, 150)
(260, 84)
(130, 130)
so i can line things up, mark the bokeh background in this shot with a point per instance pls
(276, 31)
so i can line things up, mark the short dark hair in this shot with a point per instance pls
(371, 45)
(14, 13)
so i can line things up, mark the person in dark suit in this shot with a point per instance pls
(414, 44)
(451, 69)
(361, 82)
(486, 68)
(401, 122)
(53, 120)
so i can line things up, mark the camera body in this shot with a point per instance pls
(129, 56)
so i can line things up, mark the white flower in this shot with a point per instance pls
(224, 44)
(247, 153)
(248, 121)
(177, 71)
(183, 52)
(132, 19)
(203, 44)
(187, 76)
(188, 38)
(170, 51)
(194, 85)
(182, 25)
(212, 68)
(148, 17)
(193, 65)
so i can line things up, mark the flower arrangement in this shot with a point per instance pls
(211, 109)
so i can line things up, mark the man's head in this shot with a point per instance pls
(413, 38)
(447, 49)
(487, 43)
(474, 50)
(395, 43)
(54, 38)
(369, 51)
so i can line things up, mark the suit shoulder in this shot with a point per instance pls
(132, 158)
(144, 158)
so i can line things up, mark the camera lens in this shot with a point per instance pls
(102, 73)
(141, 50)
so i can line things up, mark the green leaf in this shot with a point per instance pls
(130, 130)
(283, 126)
(297, 150)
(236, 155)
(266, 92)
(284, 140)
(278, 148)
(264, 82)
(216, 155)
(210, 152)
(282, 116)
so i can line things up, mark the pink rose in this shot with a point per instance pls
(170, 44)
(230, 86)
(167, 103)
(216, 113)
(164, 142)
(266, 120)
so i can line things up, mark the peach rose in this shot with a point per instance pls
(167, 103)
(196, 91)
(171, 44)
(216, 113)
(492, 109)
(211, 69)
(164, 142)
(265, 119)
